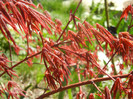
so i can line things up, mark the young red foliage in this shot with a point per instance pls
(91, 96)
(125, 12)
(80, 95)
(117, 87)
(130, 95)
(4, 66)
(107, 93)
(57, 64)
(58, 56)
(14, 90)
(130, 82)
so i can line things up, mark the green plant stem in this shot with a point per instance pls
(130, 24)
(10, 52)
(107, 12)
(118, 24)
(80, 84)
(115, 72)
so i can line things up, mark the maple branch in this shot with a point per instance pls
(77, 7)
(10, 51)
(41, 51)
(22, 61)
(26, 59)
(114, 67)
(80, 84)
(32, 56)
(97, 87)
(64, 30)
(69, 21)
(108, 61)
(27, 37)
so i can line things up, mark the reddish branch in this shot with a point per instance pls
(10, 52)
(22, 61)
(107, 62)
(33, 56)
(69, 21)
(80, 84)
(97, 87)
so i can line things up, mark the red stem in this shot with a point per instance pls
(80, 84)
(10, 53)
(69, 21)
(108, 62)
(45, 64)
(22, 61)
(27, 37)
(30, 57)
(97, 87)
(64, 30)
(41, 38)
(26, 59)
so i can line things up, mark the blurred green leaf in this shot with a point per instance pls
(61, 95)
(70, 94)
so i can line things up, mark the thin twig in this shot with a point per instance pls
(118, 24)
(80, 84)
(28, 58)
(114, 67)
(108, 62)
(27, 37)
(69, 21)
(130, 24)
(10, 52)
(97, 87)
(62, 42)
(41, 37)
(22, 61)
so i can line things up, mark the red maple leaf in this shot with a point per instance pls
(125, 12)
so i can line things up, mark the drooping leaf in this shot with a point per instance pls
(125, 12)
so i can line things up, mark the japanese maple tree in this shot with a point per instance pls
(70, 49)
